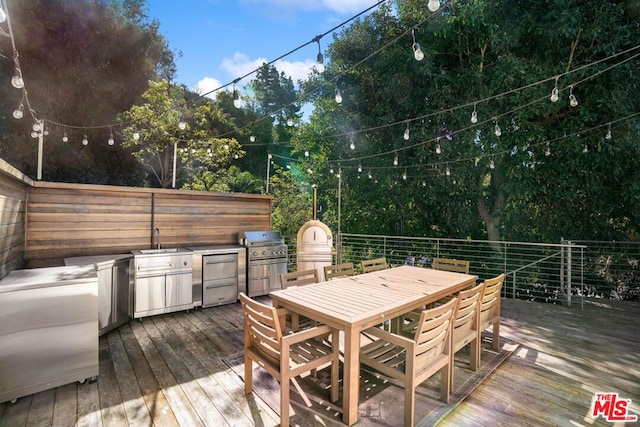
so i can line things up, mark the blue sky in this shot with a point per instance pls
(221, 40)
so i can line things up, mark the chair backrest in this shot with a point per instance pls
(262, 327)
(433, 333)
(338, 270)
(456, 265)
(298, 278)
(465, 317)
(373, 264)
(490, 301)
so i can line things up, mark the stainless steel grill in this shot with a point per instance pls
(266, 260)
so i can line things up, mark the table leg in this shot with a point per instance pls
(351, 376)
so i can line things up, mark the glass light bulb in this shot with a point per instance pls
(448, 171)
(34, 134)
(573, 101)
(18, 113)
(438, 149)
(359, 168)
(17, 81)
(36, 126)
(226, 146)
(498, 131)
(331, 171)
(306, 153)
(289, 122)
(404, 175)
(417, 52)
(65, 138)
(235, 156)
(369, 175)
(270, 156)
(46, 132)
(182, 125)
(492, 165)
(433, 5)
(320, 63)
(111, 141)
(395, 161)
(252, 138)
(585, 149)
(338, 96)
(554, 94)
(85, 141)
(406, 134)
(474, 117)
(608, 136)
(352, 145)
(547, 151)
(136, 136)
(236, 99)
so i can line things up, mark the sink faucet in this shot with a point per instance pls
(156, 231)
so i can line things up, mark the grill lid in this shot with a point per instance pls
(252, 238)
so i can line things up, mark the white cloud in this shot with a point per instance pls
(340, 6)
(207, 85)
(240, 64)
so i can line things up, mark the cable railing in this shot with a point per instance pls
(552, 273)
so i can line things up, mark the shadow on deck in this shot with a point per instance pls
(178, 369)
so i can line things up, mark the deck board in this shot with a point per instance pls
(170, 370)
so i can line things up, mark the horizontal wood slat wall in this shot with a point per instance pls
(65, 220)
(14, 188)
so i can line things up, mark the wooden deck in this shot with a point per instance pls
(170, 370)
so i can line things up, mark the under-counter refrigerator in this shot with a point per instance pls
(48, 329)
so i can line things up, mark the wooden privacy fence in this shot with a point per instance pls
(45, 222)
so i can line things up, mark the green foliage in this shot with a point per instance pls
(292, 203)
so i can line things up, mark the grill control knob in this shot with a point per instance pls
(264, 252)
(254, 253)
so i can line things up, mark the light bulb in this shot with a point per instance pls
(573, 101)
(406, 134)
(65, 138)
(448, 171)
(320, 63)
(433, 5)
(306, 153)
(269, 156)
(236, 99)
(498, 131)
(252, 138)
(352, 145)
(395, 160)
(554, 94)
(226, 146)
(182, 125)
(359, 168)
(585, 149)
(492, 165)
(289, 122)
(417, 52)
(136, 136)
(34, 134)
(85, 141)
(46, 132)
(369, 175)
(608, 136)
(438, 149)
(36, 126)
(111, 141)
(338, 96)
(3, 15)
(18, 112)
(404, 175)
(474, 116)
(331, 171)
(547, 151)
(17, 81)
(235, 156)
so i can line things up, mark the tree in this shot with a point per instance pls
(166, 124)
(77, 60)
(462, 179)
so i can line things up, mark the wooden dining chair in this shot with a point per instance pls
(414, 360)
(490, 310)
(455, 265)
(284, 356)
(374, 264)
(338, 270)
(466, 326)
(298, 278)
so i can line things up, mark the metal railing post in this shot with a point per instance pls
(569, 274)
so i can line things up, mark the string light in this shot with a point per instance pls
(547, 151)
(182, 125)
(404, 175)
(433, 5)
(136, 135)
(554, 91)
(111, 141)
(438, 149)
(85, 140)
(448, 171)
(395, 160)
(320, 59)
(18, 112)
(369, 175)
(585, 149)
(492, 164)
(289, 122)
(608, 135)
(572, 98)
(359, 168)
(417, 52)
(352, 145)
(65, 138)
(474, 115)
(406, 133)
(236, 96)
(497, 130)
(306, 153)
(338, 96)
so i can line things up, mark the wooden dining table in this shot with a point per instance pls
(353, 304)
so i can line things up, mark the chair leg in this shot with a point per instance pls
(284, 402)
(335, 366)
(446, 373)
(496, 335)
(409, 401)
(248, 374)
(474, 356)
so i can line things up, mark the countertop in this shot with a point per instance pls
(216, 249)
(96, 259)
(34, 278)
